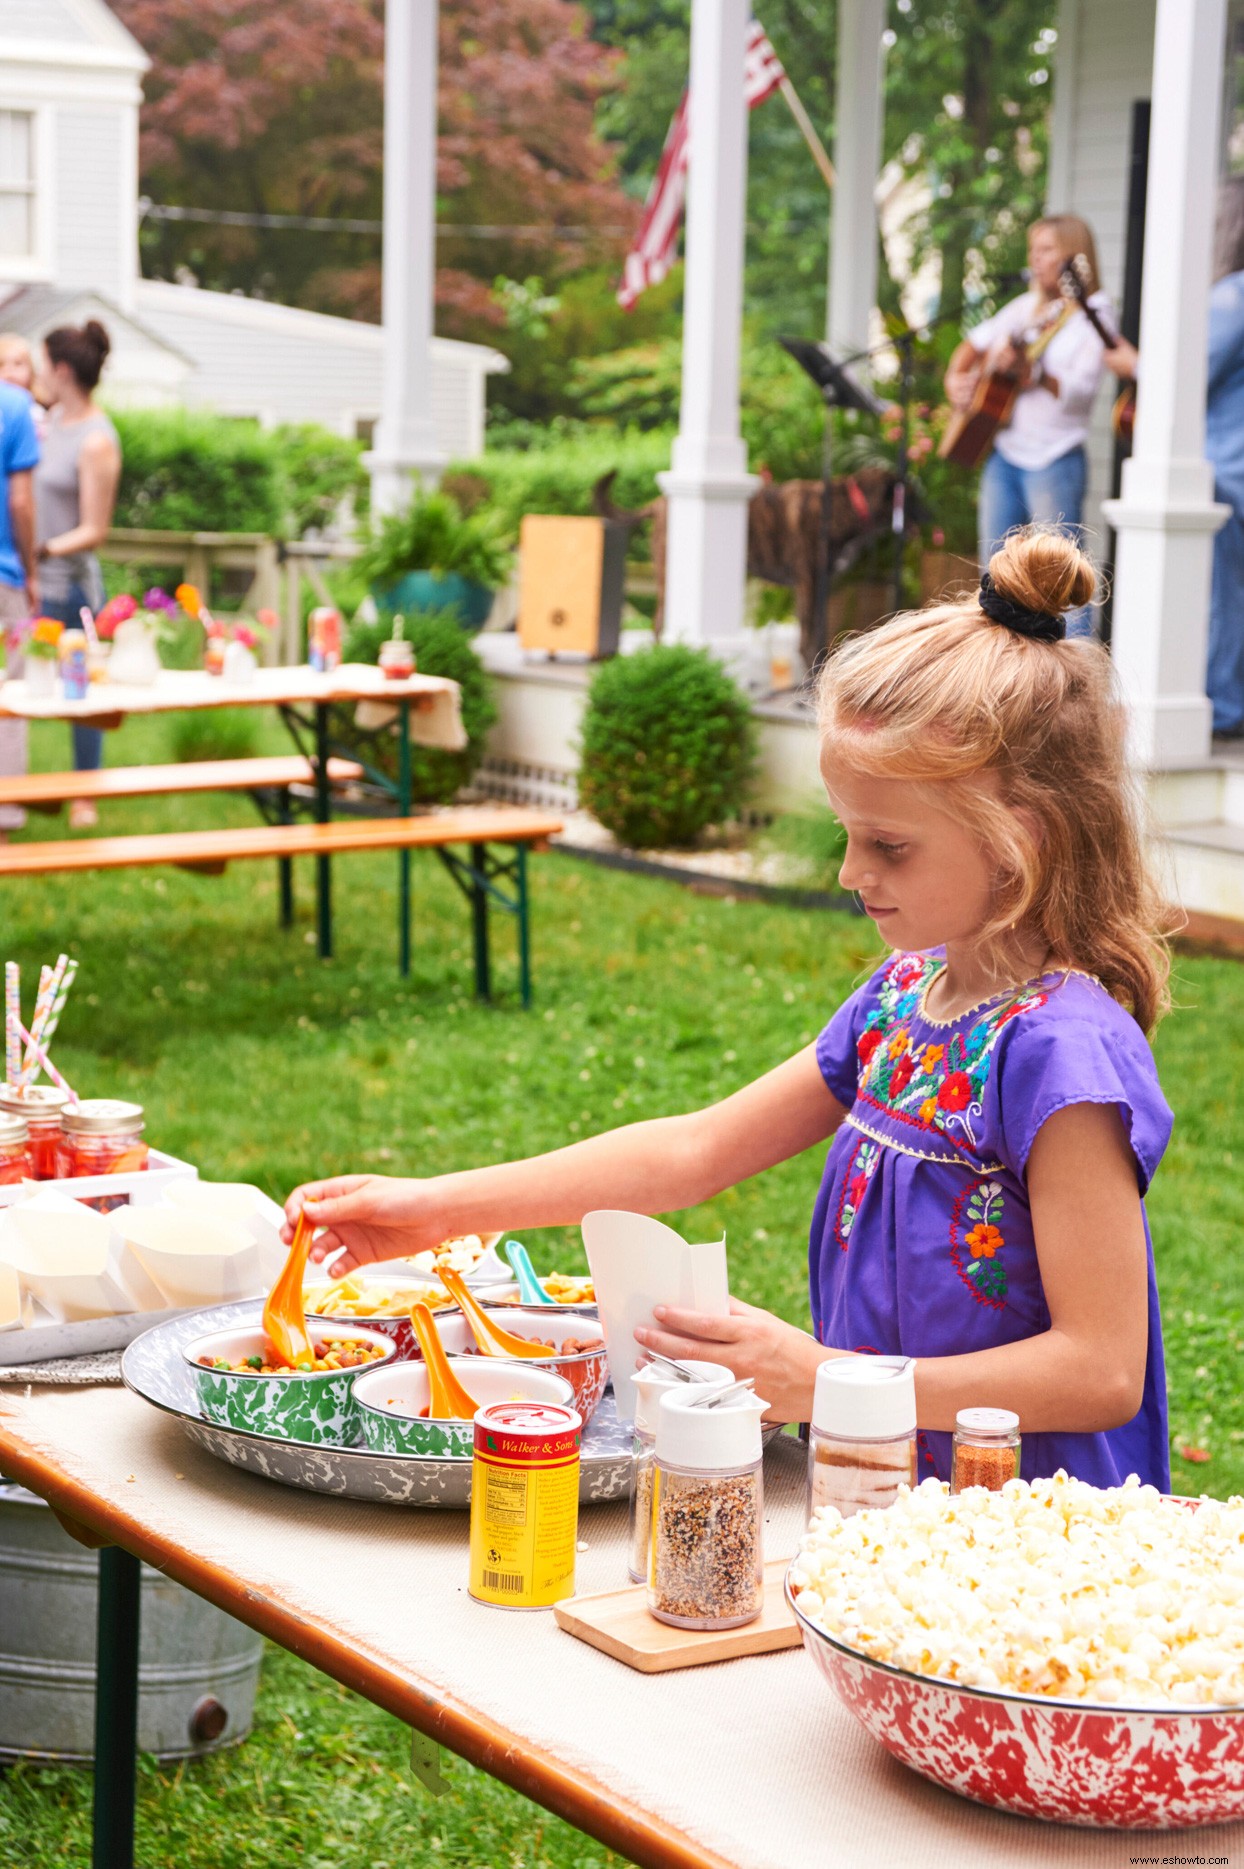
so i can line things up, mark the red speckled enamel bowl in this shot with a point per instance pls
(587, 1371)
(1066, 1761)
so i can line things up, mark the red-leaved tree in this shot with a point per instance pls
(277, 109)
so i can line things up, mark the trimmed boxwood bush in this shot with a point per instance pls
(668, 746)
(441, 648)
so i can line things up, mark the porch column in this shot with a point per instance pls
(708, 485)
(857, 161)
(1166, 517)
(406, 450)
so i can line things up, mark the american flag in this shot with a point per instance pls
(652, 251)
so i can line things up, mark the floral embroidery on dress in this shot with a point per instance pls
(936, 1086)
(860, 1171)
(976, 1239)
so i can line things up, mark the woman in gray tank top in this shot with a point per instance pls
(75, 493)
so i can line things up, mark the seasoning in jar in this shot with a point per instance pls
(986, 1449)
(862, 1443)
(651, 1381)
(706, 1563)
(40, 1106)
(15, 1164)
(524, 1503)
(102, 1136)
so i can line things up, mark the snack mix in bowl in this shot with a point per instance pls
(242, 1383)
(1055, 1649)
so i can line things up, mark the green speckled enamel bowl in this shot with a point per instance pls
(388, 1400)
(318, 1409)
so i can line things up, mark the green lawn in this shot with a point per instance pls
(258, 1062)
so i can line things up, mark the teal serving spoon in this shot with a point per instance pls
(530, 1290)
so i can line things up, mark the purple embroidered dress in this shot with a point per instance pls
(922, 1236)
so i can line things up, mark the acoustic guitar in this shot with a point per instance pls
(1074, 285)
(970, 432)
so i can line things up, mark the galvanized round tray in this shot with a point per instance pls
(153, 1366)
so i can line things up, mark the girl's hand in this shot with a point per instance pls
(781, 1360)
(371, 1216)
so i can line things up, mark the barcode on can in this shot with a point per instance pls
(508, 1580)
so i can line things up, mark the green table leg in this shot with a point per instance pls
(524, 925)
(323, 812)
(479, 922)
(116, 1709)
(403, 856)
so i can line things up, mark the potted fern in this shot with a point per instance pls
(434, 556)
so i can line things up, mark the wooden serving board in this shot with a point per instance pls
(618, 1622)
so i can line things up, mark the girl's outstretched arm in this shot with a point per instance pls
(1084, 1374)
(650, 1167)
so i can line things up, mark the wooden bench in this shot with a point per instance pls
(47, 791)
(481, 874)
(269, 781)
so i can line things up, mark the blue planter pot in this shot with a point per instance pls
(423, 590)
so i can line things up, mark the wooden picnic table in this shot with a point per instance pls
(745, 1764)
(426, 711)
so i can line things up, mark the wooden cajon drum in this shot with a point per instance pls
(570, 577)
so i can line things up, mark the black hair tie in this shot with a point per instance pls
(1037, 625)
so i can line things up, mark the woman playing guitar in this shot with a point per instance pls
(1041, 355)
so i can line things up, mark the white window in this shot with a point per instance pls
(18, 222)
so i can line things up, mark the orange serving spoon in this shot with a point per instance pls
(492, 1340)
(447, 1399)
(284, 1318)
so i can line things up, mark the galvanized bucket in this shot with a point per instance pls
(198, 1668)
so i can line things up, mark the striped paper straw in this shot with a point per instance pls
(88, 625)
(58, 1004)
(12, 1014)
(41, 1059)
(43, 1002)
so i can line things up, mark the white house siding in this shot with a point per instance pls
(284, 365)
(95, 209)
(1105, 63)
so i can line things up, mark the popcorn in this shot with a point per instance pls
(1049, 1587)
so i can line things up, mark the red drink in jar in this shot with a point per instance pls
(40, 1107)
(14, 1150)
(102, 1136)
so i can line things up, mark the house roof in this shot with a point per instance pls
(160, 295)
(61, 30)
(33, 310)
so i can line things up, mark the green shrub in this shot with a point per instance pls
(318, 470)
(556, 469)
(186, 471)
(668, 746)
(214, 733)
(434, 534)
(441, 648)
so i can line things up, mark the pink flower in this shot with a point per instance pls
(245, 636)
(117, 610)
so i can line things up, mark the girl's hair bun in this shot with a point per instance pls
(95, 335)
(1040, 568)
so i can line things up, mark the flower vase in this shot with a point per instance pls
(134, 660)
(240, 664)
(40, 675)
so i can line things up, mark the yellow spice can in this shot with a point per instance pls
(524, 1503)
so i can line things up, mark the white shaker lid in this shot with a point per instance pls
(985, 1421)
(692, 1434)
(651, 1382)
(866, 1398)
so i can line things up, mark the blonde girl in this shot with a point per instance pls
(993, 1105)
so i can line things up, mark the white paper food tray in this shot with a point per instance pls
(37, 1343)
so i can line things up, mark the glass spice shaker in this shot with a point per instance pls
(986, 1449)
(862, 1444)
(706, 1563)
(651, 1381)
(41, 1107)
